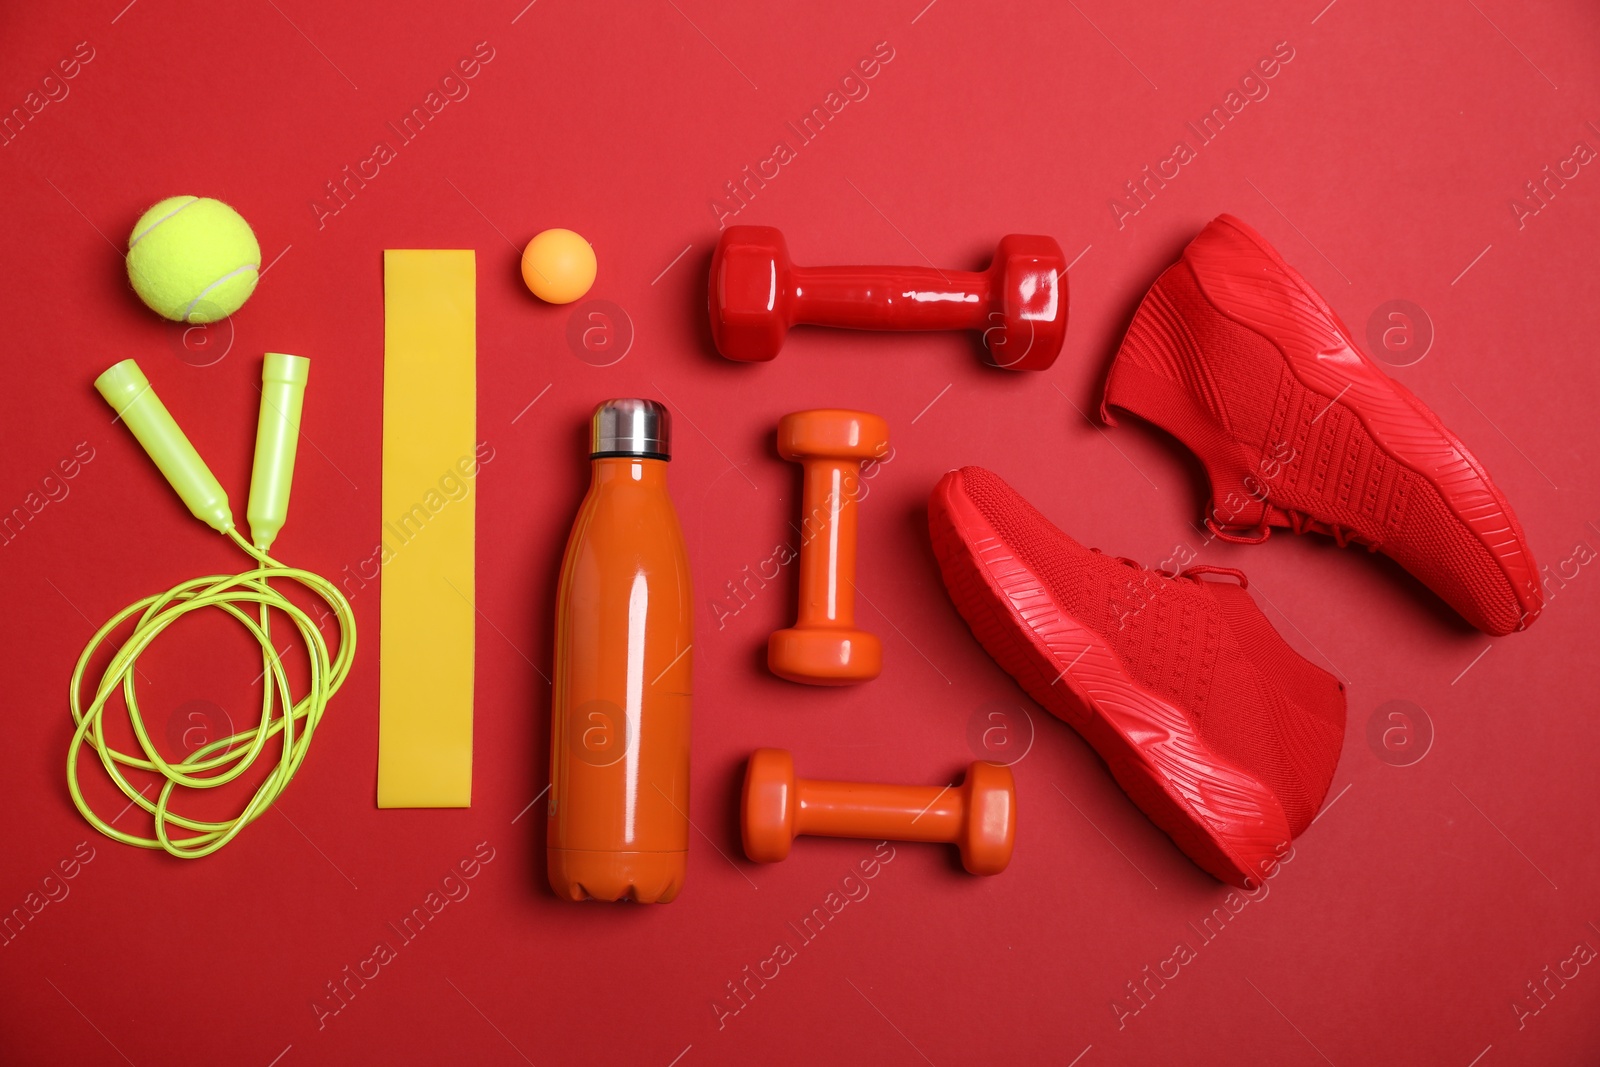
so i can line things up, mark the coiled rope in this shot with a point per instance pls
(250, 598)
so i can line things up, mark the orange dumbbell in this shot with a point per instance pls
(979, 815)
(824, 647)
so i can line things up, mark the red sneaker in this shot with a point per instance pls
(1235, 355)
(1221, 733)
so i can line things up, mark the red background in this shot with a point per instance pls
(1383, 161)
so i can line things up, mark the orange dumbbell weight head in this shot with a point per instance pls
(824, 647)
(979, 815)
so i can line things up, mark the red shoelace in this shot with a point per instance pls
(1190, 573)
(1298, 522)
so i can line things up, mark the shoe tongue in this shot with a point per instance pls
(1304, 682)
(1308, 707)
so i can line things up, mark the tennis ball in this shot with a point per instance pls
(193, 259)
(558, 266)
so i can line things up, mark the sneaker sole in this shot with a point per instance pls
(1222, 817)
(1253, 286)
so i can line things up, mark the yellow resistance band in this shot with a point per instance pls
(426, 617)
(223, 760)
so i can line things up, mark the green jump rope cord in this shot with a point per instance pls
(224, 760)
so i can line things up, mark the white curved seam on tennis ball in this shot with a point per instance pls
(231, 274)
(142, 234)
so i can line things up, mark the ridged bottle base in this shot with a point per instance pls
(642, 877)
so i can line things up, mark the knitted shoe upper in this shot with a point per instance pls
(1203, 646)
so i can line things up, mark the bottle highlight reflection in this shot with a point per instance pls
(619, 724)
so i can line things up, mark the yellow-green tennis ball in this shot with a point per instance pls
(193, 259)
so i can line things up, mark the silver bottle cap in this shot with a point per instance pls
(631, 427)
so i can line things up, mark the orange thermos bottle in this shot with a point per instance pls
(619, 723)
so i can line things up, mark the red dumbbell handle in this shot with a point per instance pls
(867, 809)
(890, 298)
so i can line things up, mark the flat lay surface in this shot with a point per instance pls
(1427, 168)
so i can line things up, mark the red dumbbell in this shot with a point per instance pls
(979, 815)
(1020, 302)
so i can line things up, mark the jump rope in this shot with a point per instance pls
(247, 596)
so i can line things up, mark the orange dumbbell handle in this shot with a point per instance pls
(828, 542)
(866, 809)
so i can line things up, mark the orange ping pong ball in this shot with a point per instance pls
(558, 266)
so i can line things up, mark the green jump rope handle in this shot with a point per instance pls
(283, 388)
(128, 392)
(283, 715)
